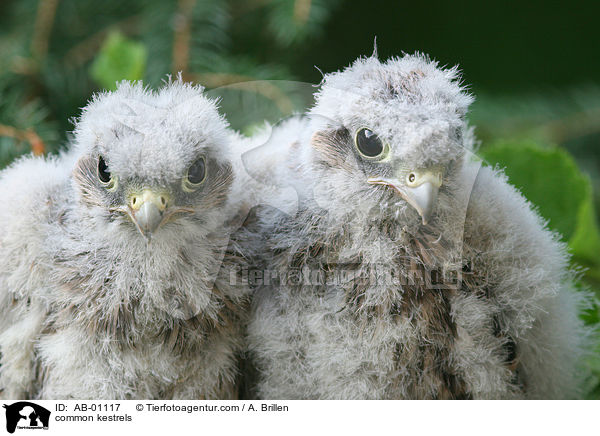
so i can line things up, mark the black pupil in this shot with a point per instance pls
(197, 171)
(369, 143)
(103, 173)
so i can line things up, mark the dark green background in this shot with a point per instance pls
(503, 47)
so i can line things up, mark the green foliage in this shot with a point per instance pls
(119, 59)
(56, 54)
(568, 118)
(554, 117)
(22, 117)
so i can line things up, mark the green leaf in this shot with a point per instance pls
(585, 242)
(119, 59)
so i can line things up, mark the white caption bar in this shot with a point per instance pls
(310, 417)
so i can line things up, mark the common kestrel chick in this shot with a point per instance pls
(409, 271)
(110, 255)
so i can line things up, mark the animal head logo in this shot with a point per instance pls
(26, 415)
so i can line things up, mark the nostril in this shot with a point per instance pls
(134, 201)
(163, 201)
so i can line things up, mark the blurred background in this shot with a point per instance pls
(533, 67)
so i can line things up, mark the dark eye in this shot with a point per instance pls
(103, 173)
(197, 171)
(368, 143)
(195, 175)
(105, 177)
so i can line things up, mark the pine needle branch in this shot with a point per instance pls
(37, 145)
(43, 26)
(88, 48)
(301, 11)
(182, 36)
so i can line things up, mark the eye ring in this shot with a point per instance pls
(369, 145)
(195, 175)
(104, 176)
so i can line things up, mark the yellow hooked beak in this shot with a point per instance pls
(419, 189)
(148, 210)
